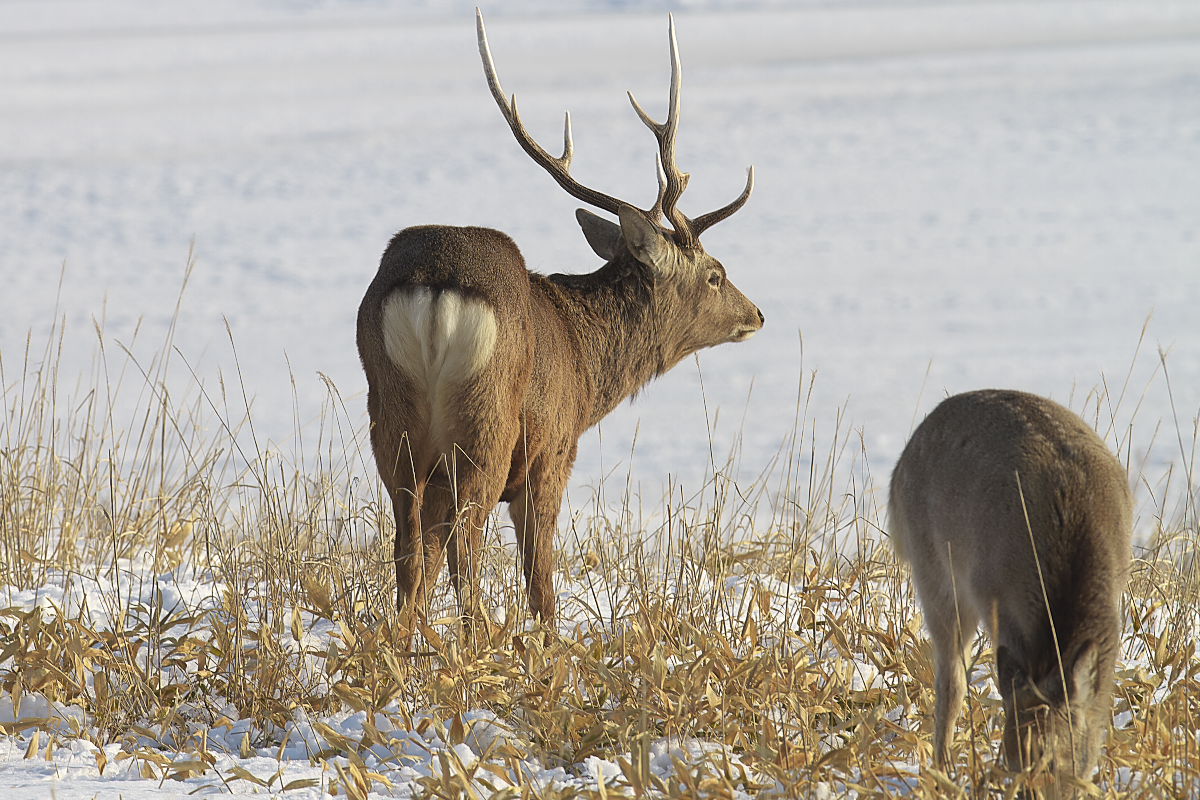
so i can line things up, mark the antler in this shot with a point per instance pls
(559, 168)
(705, 221)
(671, 180)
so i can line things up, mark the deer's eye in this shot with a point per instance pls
(715, 280)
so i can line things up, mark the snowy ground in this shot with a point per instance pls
(210, 749)
(949, 196)
(248, 759)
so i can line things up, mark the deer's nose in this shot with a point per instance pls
(761, 319)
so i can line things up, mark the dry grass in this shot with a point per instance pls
(765, 618)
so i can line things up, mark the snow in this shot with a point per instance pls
(950, 195)
(244, 759)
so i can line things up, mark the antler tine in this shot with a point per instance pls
(672, 180)
(661, 174)
(568, 145)
(559, 168)
(705, 221)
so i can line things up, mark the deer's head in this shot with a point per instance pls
(692, 291)
(1059, 726)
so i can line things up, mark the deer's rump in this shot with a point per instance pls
(439, 341)
(432, 329)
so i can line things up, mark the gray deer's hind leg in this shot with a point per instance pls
(952, 624)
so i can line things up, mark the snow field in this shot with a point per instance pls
(949, 196)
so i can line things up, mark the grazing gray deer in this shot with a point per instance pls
(1013, 513)
(483, 375)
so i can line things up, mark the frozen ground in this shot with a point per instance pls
(950, 196)
(71, 767)
(404, 745)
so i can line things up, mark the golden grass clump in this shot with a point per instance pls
(183, 597)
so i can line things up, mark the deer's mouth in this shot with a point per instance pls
(742, 334)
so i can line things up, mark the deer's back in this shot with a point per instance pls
(478, 262)
(991, 474)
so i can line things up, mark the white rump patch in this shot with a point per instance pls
(440, 340)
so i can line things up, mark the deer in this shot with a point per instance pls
(482, 374)
(1013, 513)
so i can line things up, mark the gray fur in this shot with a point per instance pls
(988, 479)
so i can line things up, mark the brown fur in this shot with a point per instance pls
(975, 470)
(570, 348)
(567, 349)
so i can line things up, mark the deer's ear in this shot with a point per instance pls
(644, 239)
(604, 236)
(1085, 673)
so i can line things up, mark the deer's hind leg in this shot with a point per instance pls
(469, 481)
(397, 463)
(441, 518)
(454, 510)
(952, 623)
(408, 535)
(478, 485)
(534, 511)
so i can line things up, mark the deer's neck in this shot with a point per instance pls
(623, 338)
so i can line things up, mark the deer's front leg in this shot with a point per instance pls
(534, 512)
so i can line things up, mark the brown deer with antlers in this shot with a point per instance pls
(483, 375)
